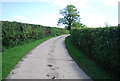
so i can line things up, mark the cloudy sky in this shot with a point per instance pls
(93, 13)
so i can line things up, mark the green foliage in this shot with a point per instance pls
(21, 38)
(15, 32)
(87, 65)
(70, 16)
(79, 26)
(0, 66)
(100, 44)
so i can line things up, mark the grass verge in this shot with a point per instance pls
(10, 57)
(87, 65)
(0, 66)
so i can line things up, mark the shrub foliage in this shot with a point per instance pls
(100, 44)
(15, 32)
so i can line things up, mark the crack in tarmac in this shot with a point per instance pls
(53, 73)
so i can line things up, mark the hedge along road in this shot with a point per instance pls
(49, 60)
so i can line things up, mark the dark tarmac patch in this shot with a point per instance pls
(49, 65)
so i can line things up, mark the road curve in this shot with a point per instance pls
(49, 60)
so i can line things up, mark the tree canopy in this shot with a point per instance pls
(71, 17)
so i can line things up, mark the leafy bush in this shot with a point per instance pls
(15, 32)
(100, 44)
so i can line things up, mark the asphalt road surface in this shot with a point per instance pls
(49, 60)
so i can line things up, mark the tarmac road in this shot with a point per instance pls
(49, 60)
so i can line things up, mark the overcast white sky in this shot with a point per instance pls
(93, 13)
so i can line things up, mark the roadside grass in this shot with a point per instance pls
(0, 66)
(88, 66)
(11, 56)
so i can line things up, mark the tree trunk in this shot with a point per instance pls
(69, 27)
